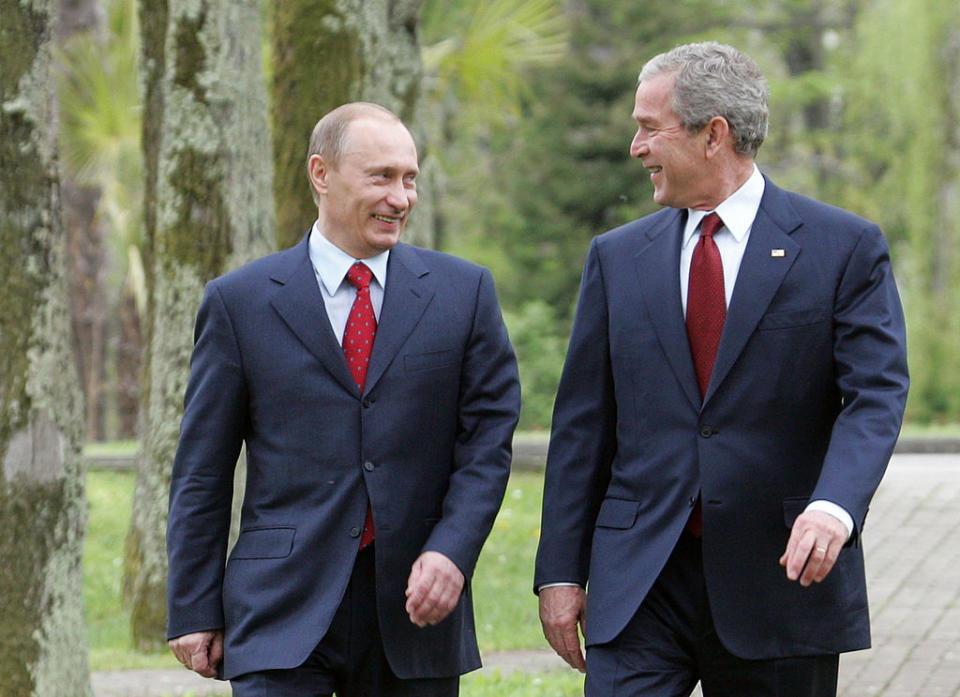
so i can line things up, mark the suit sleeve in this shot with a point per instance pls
(489, 407)
(582, 441)
(870, 364)
(201, 486)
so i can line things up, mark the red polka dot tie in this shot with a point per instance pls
(706, 313)
(358, 338)
(361, 325)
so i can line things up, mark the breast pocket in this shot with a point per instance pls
(789, 319)
(415, 362)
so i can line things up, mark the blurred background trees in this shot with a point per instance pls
(521, 110)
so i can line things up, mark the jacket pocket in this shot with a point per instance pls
(264, 543)
(619, 514)
(793, 506)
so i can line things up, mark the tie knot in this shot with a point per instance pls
(710, 224)
(359, 275)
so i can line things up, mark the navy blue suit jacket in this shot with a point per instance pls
(429, 440)
(805, 402)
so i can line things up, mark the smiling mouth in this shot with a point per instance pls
(388, 219)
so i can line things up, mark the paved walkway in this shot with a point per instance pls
(912, 543)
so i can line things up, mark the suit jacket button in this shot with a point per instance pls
(367, 403)
(369, 466)
(706, 431)
(354, 532)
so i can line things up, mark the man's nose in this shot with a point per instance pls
(638, 146)
(397, 196)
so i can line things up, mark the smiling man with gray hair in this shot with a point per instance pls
(733, 390)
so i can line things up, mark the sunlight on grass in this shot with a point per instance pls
(506, 607)
(110, 498)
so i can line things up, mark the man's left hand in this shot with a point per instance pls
(433, 589)
(814, 545)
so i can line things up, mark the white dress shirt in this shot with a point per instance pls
(330, 264)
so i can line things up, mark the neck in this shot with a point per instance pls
(727, 178)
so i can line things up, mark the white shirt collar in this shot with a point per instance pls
(738, 211)
(332, 263)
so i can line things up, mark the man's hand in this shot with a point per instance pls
(562, 608)
(433, 589)
(814, 545)
(201, 652)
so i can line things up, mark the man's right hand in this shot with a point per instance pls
(201, 652)
(562, 608)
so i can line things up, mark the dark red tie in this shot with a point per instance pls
(706, 312)
(357, 344)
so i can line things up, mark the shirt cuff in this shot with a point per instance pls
(836, 511)
(559, 583)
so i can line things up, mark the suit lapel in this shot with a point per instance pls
(661, 295)
(768, 257)
(300, 305)
(406, 296)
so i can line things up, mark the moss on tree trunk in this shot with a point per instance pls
(209, 209)
(43, 642)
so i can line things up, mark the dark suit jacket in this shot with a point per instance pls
(429, 439)
(805, 402)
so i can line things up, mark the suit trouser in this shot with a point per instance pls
(349, 661)
(671, 643)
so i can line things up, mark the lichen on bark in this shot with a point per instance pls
(43, 642)
(212, 210)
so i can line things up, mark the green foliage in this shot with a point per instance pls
(899, 139)
(540, 350)
(100, 108)
(481, 64)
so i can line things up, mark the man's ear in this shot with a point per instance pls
(716, 132)
(318, 169)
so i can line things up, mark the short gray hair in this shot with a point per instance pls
(329, 135)
(714, 79)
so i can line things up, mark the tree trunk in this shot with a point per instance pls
(208, 209)
(42, 643)
(326, 53)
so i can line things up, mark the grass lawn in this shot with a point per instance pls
(566, 683)
(506, 608)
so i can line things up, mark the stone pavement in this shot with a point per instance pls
(912, 544)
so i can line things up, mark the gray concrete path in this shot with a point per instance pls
(912, 544)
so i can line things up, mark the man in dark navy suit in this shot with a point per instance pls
(376, 392)
(734, 388)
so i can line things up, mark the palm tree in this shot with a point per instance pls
(100, 136)
(477, 58)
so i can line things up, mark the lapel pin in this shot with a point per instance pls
(777, 253)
